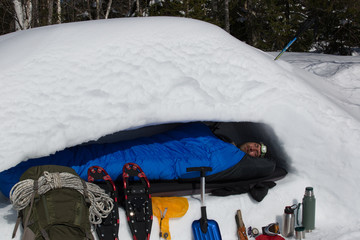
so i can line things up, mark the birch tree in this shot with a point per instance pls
(23, 14)
(58, 12)
(108, 9)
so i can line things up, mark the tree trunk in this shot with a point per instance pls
(138, 8)
(89, 10)
(187, 8)
(19, 15)
(23, 15)
(251, 39)
(36, 15)
(58, 11)
(215, 10)
(28, 14)
(51, 9)
(108, 9)
(97, 9)
(227, 17)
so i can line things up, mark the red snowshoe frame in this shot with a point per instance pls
(137, 203)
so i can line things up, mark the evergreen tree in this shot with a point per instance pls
(196, 9)
(338, 28)
(168, 8)
(6, 18)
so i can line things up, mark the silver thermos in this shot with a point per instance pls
(288, 221)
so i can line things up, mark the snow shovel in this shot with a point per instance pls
(204, 229)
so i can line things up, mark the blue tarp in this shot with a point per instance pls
(163, 156)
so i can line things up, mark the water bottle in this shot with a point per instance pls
(308, 210)
(288, 221)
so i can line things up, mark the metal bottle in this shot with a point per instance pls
(288, 222)
(308, 210)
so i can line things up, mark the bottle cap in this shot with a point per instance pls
(288, 210)
(309, 191)
(299, 233)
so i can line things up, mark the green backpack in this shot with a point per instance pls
(50, 209)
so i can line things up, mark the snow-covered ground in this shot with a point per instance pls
(67, 84)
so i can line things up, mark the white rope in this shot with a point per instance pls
(101, 204)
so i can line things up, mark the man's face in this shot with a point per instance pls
(251, 148)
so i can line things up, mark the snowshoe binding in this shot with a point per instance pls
(137, 201)
(109, 228)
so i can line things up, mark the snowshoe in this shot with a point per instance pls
(137, 201)
(109, 228)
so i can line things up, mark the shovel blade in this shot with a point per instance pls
(212, 233)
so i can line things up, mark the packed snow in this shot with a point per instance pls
(67, 84)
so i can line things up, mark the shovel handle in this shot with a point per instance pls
(202, 170)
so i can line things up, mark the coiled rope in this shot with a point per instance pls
(100, 203)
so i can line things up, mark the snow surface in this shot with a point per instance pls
(66, 84)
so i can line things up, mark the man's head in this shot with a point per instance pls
(254, 149)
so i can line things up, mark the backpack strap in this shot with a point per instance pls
(86, 193)
(18, 220)
(44, 234)
(89, 236)
(87, 200)
(35, 188)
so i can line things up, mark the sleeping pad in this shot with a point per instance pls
(164, 156)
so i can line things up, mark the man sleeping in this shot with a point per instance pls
(164, 156)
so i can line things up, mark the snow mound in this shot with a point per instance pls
(76, 82)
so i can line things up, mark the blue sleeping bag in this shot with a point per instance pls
(164, 156)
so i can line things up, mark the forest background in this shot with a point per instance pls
(265, 24)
